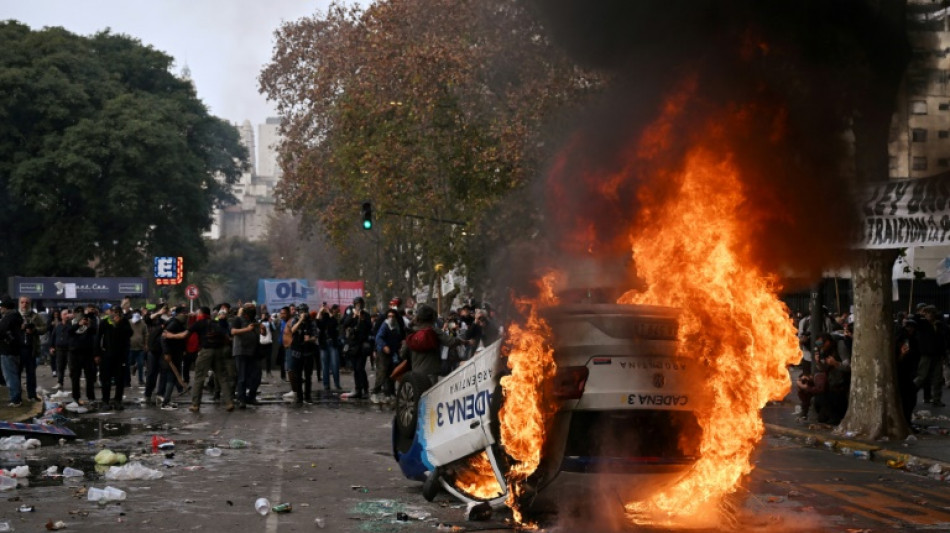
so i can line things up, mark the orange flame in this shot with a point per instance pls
(528, 406)
(693, 255)
(477, 478)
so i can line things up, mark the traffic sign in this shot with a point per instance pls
(191, 292)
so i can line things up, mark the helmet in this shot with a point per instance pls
(303, 308)
(359, 301)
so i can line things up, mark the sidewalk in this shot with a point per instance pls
(919, 453)
(26, 413)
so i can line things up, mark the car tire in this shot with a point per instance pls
(432, 485)
(407, 409)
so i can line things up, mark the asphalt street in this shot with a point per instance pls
(332, 462)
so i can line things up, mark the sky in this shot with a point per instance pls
(224, 43)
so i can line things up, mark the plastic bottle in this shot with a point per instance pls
(72, 472)
(7, 483)
(5, 526)
(238, 443)
(262, 505)
(282, 508)
(213, 452)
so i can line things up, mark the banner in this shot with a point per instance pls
(277, 293)
(339, 292)
(904, 213)
(79, 289)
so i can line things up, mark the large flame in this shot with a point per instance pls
(694, 255)
(528, 404)
(477, 478)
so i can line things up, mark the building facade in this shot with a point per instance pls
(248, 218)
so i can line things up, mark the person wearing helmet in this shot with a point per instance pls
(356, 331)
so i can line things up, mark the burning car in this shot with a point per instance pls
(624, 416)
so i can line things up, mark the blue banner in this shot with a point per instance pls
(277, 293)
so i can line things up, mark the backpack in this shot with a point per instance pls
(423, 340)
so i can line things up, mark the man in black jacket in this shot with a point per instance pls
(11, 338)
(356, 331)
(116, 339)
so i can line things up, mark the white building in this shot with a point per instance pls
(254, 190)
(920, 131)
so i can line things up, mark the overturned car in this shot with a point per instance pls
(625, 420)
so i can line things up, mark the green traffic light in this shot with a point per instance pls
(367, 224)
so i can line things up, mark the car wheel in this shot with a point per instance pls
(407, 408)
(432, 485)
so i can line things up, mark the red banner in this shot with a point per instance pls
(339, 292)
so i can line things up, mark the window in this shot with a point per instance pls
(918, 107)
(943, 134)
(918, 135)
(944, 106)
(943, 162)
(919, 163)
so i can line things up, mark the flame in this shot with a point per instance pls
(477, 478)
(528, 405)
(693, 254)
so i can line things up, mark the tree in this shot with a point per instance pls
(106, 157)
(429, 110)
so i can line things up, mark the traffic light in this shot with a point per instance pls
(367, 215)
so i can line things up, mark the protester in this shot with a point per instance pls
(11, 339)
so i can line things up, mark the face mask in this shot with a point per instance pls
(391, 322)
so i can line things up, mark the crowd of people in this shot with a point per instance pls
(226, 351)
(920, 354)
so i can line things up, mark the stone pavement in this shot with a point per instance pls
(24, 413)
(918, 453)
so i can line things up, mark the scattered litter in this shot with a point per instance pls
(238, 444)
(895, 464)
(911, 438)
(67, 472)
(108, 494)
(18, 442)
(282, 508)
(52, 471)
(320, 523)
(107, 457)
(213, 452)
(5, 526)
(55, 526)
(74, 407)
(402, 517)
(794, 494)
(863, 455)
(775, 499)
(448, 527)
(22, 471)
(478, 512)
(26, 509)
(194, 468)
(262, 505)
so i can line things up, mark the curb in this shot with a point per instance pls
(874, 453)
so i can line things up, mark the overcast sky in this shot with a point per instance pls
(225, 43)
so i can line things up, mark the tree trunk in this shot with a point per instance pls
(874, 404)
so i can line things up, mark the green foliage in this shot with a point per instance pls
(106, 158)
(434, 109)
